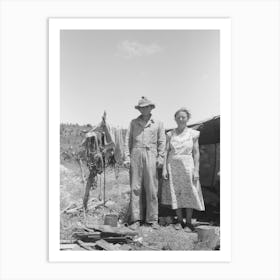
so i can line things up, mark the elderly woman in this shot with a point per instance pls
(181, 188)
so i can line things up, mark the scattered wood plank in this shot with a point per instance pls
(197, 223)
(104, 245)
(79, 248)
(89, 244)
(67, 246)
(87, 237)
(83, 245)
(94, 236)
(116, 231)
(120, 240)
(67, 241)
(84, 227)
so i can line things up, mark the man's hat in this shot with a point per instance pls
(144, 102)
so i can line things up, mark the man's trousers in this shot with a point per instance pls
(144, 185)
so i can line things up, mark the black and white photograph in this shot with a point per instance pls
(139, 139)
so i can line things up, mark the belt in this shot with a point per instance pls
(144, 147)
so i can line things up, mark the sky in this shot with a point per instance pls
(110, 70)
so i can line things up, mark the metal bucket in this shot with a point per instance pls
(111, 220)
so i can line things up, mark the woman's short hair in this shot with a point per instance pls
(183, 109)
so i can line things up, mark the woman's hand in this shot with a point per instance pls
(164, 174)
(195, 176)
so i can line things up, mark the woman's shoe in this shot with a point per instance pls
(187, 229)
(178, 226)
(190, 226)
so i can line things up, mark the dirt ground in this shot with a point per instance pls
(116, 202)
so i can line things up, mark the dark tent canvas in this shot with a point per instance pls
(209, 142)
(209, 131)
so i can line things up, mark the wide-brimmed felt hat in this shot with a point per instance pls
(144, 102)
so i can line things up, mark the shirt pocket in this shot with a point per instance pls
(151, 135)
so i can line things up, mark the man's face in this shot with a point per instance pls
(145, 111)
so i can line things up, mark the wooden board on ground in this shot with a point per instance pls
(118, 231)
(104, 245)
(84, 245)
(67, 246)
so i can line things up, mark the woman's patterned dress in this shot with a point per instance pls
(179, 190)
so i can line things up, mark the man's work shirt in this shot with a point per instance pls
(150, 136)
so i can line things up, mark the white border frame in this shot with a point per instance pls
(221, 24)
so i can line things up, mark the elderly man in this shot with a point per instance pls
(145, 148)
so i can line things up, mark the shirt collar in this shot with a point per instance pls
(140, 121)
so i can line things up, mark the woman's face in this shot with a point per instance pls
(181, 118)
(145, 111)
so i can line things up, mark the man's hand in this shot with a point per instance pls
(164, 174)
(159, 163)
(126, 164)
